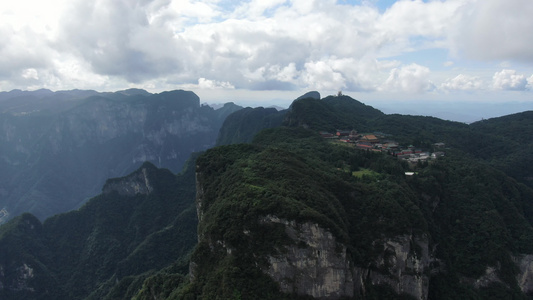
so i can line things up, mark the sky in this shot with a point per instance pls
(382, 52)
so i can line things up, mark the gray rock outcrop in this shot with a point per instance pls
(135, 183)
(525, 276)
(317, 265)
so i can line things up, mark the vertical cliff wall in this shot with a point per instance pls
(315, 264)
(53, 161)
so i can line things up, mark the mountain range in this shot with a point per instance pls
(58, 148)
(278, 211)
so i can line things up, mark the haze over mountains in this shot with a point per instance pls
(277, 211)
(58, 148)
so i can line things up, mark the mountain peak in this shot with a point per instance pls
(133, 91)
(138, 182)
(311, 94)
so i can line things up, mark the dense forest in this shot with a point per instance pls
(459, 227)
(473, 215)
(115, 241)
(501, 142)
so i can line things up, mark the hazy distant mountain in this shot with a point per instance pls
(57, 149)
(465, 111)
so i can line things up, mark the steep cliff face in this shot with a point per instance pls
(403, 265)
(525, 276)
(53, 161)
(315, 264)
(135, 183)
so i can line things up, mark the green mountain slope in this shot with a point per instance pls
(459, 228)
(140, 224)
(432, 234)
(502, 142)
(242, 125)
(330, 113)
(513, 149)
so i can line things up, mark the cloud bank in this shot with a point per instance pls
(267, 45)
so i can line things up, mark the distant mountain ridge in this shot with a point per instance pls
(57, 149)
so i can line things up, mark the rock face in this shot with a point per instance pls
(18, 281)
(401, 265)
(135, 183)
(317, 265)
(199, 197)
(525, 277)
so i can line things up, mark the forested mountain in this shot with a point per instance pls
(293, 215)
(241, 126)
(458, 229)
(502, 142)
(57, 149)
(512, 147)
(331, 113)
(142, 223)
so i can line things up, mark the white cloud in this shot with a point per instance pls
(213, 84)
(30, 73)
(256, 8)
(258, 45)
(116, 39)
(463, 82)
(494, 30)
(412, 78)
(320, 75)
(41, 17)
(448, 63)
(408, 25)
(509, 80)
(287, 73)
(418, 18)
(530, 82)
